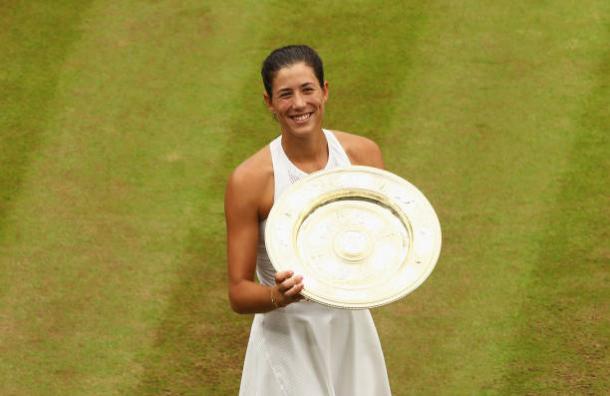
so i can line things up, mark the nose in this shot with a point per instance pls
(299, 101)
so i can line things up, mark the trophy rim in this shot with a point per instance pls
(369, 188)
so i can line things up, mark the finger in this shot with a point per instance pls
(290, 282)
(286, 285)
(294, 290)
(282, 276)
(296, 287)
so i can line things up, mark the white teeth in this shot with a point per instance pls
(302, 117)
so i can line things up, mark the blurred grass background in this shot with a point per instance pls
(120, 122)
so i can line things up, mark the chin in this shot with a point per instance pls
(302, 131)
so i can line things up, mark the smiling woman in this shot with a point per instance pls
(296, 347)
(299, 99)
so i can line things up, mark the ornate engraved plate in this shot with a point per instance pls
(361, 237)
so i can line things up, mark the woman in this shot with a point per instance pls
(296, 347)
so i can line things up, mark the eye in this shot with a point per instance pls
(308, 89)
(284, 95)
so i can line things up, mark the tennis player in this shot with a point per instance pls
(296, 347)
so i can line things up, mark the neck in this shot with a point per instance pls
(309, 153)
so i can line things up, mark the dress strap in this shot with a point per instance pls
(281, 168)
(336, 153)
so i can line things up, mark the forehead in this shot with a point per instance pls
(294, 76)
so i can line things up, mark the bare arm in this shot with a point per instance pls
(241, 212)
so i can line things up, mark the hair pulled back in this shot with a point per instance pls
(288, 56)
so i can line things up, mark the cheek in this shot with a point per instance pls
(281, 105)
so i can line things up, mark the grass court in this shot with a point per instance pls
(120, 122)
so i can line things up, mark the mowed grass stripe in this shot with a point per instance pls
(485, 129)
(115, 249)
(100, 227)
(198, 342)
(199, 308)
(35, 40)
(564, 327)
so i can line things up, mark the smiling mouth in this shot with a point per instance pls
(301, 117)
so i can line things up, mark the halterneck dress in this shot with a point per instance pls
(305, 348)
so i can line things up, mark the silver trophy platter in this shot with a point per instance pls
(361, 237)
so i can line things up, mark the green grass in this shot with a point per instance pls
(120, 122)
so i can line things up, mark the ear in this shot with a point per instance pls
(267, 100)
(325, 91)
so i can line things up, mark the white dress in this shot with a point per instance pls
(305, 348)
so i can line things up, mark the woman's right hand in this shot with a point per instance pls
(287, 288)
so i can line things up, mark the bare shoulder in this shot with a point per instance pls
(256, 167)
(360, 150)
(251, 181)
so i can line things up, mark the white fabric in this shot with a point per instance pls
(308, 349)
